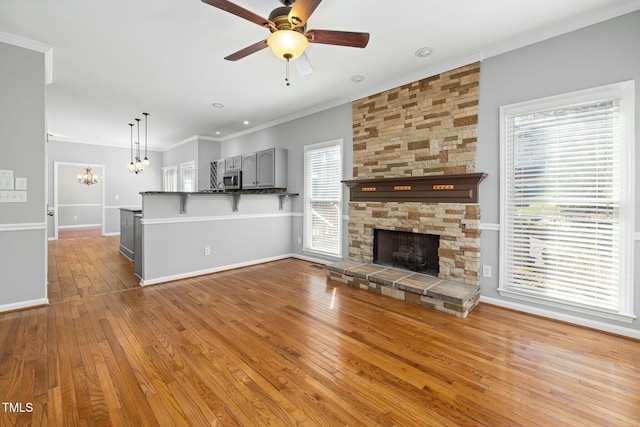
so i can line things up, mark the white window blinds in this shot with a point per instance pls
(562, 201)
(322, 196)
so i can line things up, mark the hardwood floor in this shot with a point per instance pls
(84, 264)
(70, 233)
(276, 344)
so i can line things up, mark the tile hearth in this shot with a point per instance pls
(442, 295)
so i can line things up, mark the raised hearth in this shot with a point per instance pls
(442, 295)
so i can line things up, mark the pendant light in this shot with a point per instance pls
(131, 166)
(136, 165)
(146, 161)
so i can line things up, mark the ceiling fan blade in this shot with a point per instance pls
(340, 38)
(301, 11)
(303, 65)
(241, 12)
(247, 51)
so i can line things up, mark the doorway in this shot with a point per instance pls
(76, 205)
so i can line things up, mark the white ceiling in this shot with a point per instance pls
(113, 60)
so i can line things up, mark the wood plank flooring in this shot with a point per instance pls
(276, 344)
(84, 264)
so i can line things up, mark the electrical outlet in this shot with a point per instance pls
(75, 217)
(207, 250)
(486, 271)
(117, 197)
(299, 240)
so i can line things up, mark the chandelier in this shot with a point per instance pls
(87, 177)
(136, 165)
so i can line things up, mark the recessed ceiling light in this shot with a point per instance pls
(357, 78)
(423, 52)
(217, 105)
(246, 122)
(218, 132)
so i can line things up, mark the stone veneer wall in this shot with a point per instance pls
(427, 127)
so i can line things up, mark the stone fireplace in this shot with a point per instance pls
(414, 172)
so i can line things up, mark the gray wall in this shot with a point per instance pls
(122, 188)
(23, 247)
(328, 125)
(197, 149)
(79, 205)
(174, 243)
(208, 151)
(597, 55)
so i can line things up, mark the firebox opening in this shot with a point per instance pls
(412, 251)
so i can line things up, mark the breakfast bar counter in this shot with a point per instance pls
(187, 234)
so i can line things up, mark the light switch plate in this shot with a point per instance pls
(6, 183)
(6, 173)
(9, 196)
(21, 184)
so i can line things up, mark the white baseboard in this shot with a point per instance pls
(115, 233)
(66, 227)
(23, 304)
(127, 253)
(593, 324)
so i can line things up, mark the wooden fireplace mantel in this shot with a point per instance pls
(426, 189)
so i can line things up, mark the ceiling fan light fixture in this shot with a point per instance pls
(287, 44)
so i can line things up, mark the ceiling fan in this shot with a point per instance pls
(289, 37)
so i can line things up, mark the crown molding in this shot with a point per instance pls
(563, 29)
(24, 42)
(285, 119)
(193, 138)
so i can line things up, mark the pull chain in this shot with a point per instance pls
(286, 79)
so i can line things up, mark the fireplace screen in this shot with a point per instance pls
(411, 251)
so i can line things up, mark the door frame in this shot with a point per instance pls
(56, 165)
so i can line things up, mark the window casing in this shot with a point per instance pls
(567, 201)
(170, 178)
(188, 176)
(323, 198)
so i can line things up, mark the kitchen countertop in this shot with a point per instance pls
(278, 191)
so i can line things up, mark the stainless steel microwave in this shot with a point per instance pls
(232, 180)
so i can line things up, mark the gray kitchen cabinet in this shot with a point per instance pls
(249, 171)
(137, 235)
(265, 169)
(233, 164)
(127, 232)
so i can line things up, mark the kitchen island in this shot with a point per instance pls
(187, 234)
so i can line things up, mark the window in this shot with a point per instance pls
(323, 198)
(188, 176)
(566, 201)
(170, 178)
